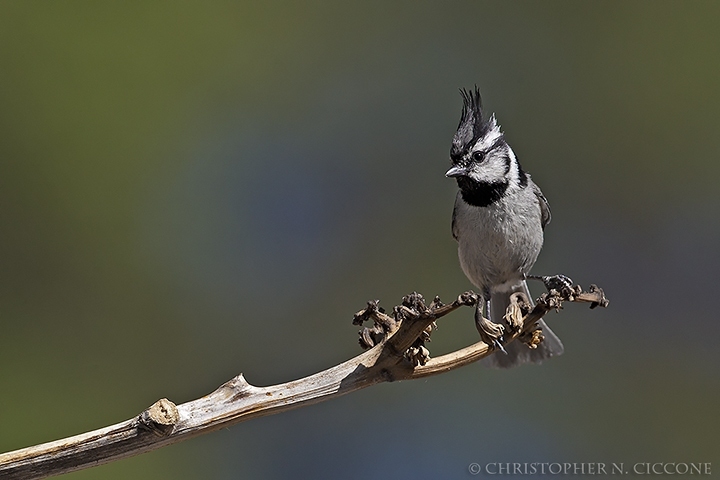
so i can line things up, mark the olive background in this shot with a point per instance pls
(190, 190)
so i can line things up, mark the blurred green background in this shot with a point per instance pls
(189, 190)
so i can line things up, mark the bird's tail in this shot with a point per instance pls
(517, 352)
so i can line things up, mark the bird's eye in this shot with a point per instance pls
(478, 156)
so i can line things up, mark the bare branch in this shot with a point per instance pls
(396, 351)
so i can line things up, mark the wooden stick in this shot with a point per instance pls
(395, 352)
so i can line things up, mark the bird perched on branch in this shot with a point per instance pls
(498, 222)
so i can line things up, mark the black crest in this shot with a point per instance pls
(472, 126)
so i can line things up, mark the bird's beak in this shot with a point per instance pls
(456, 171)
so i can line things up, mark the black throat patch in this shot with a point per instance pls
(481, 194)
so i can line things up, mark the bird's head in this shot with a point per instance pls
(483, 164)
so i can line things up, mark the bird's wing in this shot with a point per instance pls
(454, 217)
(545, 215)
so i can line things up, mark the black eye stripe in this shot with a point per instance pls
(479, 155)
(507, 163)
(499, 141)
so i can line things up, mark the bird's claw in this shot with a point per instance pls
(498, 344)
(490, 332)
(554, 282)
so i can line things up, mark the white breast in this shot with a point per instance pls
(498, 244)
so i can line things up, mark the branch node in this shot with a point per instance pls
(383, 324)
(232, 390)
(416, 302)
(239, 384)
(417, 355)
(160, 418)
(532, 338)
(602, 301)
(468, 299)
(551, 300)
(436, 303)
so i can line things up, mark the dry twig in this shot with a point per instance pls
(396, 351)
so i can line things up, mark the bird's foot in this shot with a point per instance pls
(498, 345)
(554, 282)
(490, 332)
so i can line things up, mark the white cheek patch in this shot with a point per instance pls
(514, 172)
(492, 169)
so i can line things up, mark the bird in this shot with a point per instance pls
(498, 221)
